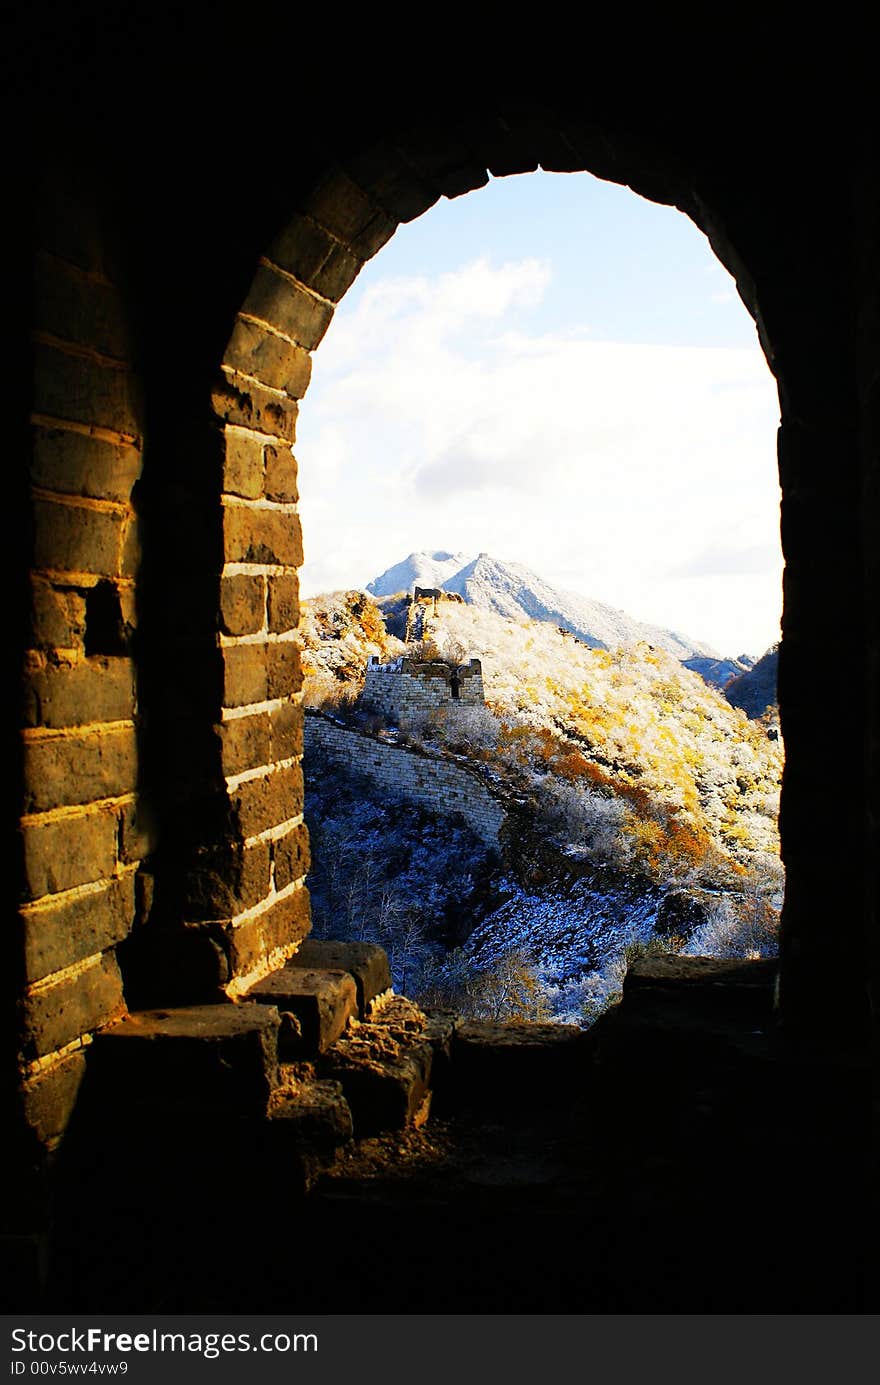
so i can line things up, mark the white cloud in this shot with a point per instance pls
(438, 419)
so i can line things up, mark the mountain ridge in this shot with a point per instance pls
(513, 590)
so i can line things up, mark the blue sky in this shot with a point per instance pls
(560, 373)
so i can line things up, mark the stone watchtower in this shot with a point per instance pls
(406, 685)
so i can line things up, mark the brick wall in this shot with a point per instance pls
(442, 787)
(404, 687)
(80, 835)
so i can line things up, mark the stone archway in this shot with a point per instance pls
(350, 212)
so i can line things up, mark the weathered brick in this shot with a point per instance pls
(315, 257)
(50, 1096)
(57, 935)
(322, 1001)
(55, 1015)
(247, 743)
(58, 616)
(271, 359)
(242, 604)
(74, 464)
(392, 183)
(283, 668)
(79, 308)
(283, 602)
(95, 689)
(345, 209)
(244, 674)
(292, 856)
(68, 851)
(135, 837)
(225, 883)
(222, 1058)
(130, 553)
(268, 801)
(280, 480)
(275, 299)
(251, 535)
(283, 924)
(79, 768)
(76, 538)
(80, 389)
(243, 465)
(286, 724)
(248, 405)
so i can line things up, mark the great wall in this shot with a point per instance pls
(709, 1151)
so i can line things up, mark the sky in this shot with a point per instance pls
(560, 373)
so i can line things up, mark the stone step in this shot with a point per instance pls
(512, 1066)
(366, 963)
(199, 1059)
(684, 991)
(384, 1067)
(309, 1125)
(315, 1007)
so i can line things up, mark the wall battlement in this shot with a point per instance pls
(408, 686)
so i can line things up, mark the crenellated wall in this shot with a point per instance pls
(407, 686)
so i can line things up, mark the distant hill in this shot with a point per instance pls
(719, 672)
(754, 691)
(514, 591)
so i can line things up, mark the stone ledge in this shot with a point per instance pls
(322, 1002)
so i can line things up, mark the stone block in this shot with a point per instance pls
(322, 1002)
(79, 308)
(496, 1064)
(283, 603)
(310, 1114)
(291, 857)
(275, 299)
(286, 724)
(269, 358)
(283, 924)
(247, 743)
(135, 839)
(203, 1058)
(244, 674)
(252, 535)
(76, 538)
(94, 689)
(242, 604)
(366, 963)
(56, 1014)
(80, 767)
(315, 257)
(224, 882)
(274, 798)
(58, 616)
(243, 465)
(284, 671)
(385, 1077)
(69, 851)
(80, 389)
(75, 464)
(280, 483)
(341, 205)
(58, 934)
(248, 405)
(50, 1096)
(393, 184)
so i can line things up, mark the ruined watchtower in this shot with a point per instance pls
(406, 685)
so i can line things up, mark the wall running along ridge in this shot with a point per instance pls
(441, 787)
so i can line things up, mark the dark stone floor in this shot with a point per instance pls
(692, 1159)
